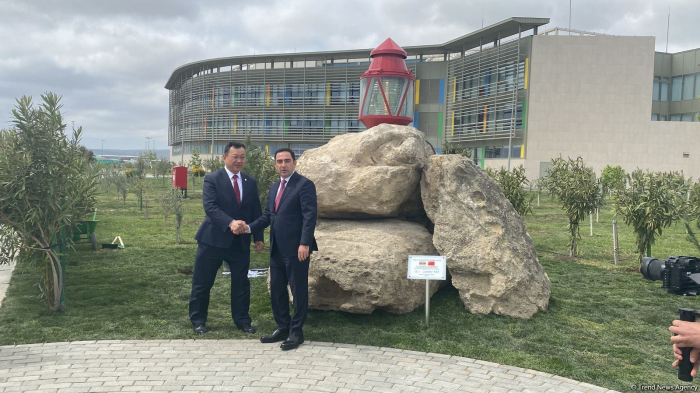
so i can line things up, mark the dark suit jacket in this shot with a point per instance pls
(221, 208)
(295, 220)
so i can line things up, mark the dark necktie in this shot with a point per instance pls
(236, 190)
(279, 195)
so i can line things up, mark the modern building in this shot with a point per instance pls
(506, 88)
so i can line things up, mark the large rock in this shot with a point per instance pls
(362, 266)
(490, 256)
(374, 173)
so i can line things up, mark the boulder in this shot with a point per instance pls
(374, 173)
(362, 266)
(490, 256)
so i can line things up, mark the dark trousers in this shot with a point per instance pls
(289, 270)
(206, 264)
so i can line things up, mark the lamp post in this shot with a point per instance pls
(386, 88)
(103, 148)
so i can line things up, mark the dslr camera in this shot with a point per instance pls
(680, 275)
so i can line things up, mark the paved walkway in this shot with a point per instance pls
(249, 366)
(5, 274)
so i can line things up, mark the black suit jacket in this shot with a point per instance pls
(221, 208)
(295, 220)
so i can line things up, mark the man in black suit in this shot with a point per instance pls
(291, 216)
(228, 195)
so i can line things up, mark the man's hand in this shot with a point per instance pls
(303, 252)
(259, 246)
(693, 358)
(239, 227)
(687, 333)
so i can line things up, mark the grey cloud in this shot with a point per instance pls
(110, 59)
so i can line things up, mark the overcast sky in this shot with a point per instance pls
(110, 59)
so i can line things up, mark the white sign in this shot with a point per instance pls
(427, 267)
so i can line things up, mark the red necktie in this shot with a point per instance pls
(279, 195)
(236, 190)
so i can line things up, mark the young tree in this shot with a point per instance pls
(121, 182)
(512, 184)
(261, 167)
(177, 207)
(213, 164)
(173, 204)
(141, 187)
(612, 178)
(161, 168)
(139, 169)
(195, 165)
(653, 201)
(47, 185)
(578, 190)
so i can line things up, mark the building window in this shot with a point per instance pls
(662, 117)
(654, 117)
(676, 117)
(687, 116)
(676, 88)
(656, 91)
(664, 89)
(688, 81)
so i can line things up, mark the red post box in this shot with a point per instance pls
(180, 178)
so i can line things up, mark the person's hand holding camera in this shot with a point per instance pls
(687, 334)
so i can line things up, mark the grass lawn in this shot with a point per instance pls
(605, 325)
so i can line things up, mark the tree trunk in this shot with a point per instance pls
(53, 281)
(573, 227)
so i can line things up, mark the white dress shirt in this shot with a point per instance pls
(238, 179)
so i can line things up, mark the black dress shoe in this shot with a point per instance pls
(277, 335)
(292, 342)
(246, 328)
(200, 329)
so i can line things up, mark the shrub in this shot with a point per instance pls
(512, 184)
(653, 201)
(578, 190)
(47, 184)
(613, 178)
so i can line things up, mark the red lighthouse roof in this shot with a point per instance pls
(389, 47)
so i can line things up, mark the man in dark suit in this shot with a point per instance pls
(291, 216)
(228, 195)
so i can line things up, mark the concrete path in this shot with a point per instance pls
(249, 366)
(5, 274)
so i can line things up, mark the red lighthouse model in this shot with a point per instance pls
(386, 88)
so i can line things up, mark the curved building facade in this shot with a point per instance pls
(512, 95)
(301, 100)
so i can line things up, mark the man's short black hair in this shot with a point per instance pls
(294, 158)
(235, 145)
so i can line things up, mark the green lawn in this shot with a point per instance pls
(605, 325)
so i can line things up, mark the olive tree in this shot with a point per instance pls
(578, 191)
(47, 186)
(213, 164)
(652, 202)
(512, 184)
(261, 167)
(172, 203)
(612, 178)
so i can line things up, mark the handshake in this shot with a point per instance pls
(238, 227)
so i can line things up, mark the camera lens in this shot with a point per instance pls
(651, 268)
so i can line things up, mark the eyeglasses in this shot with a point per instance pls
(237, 158)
